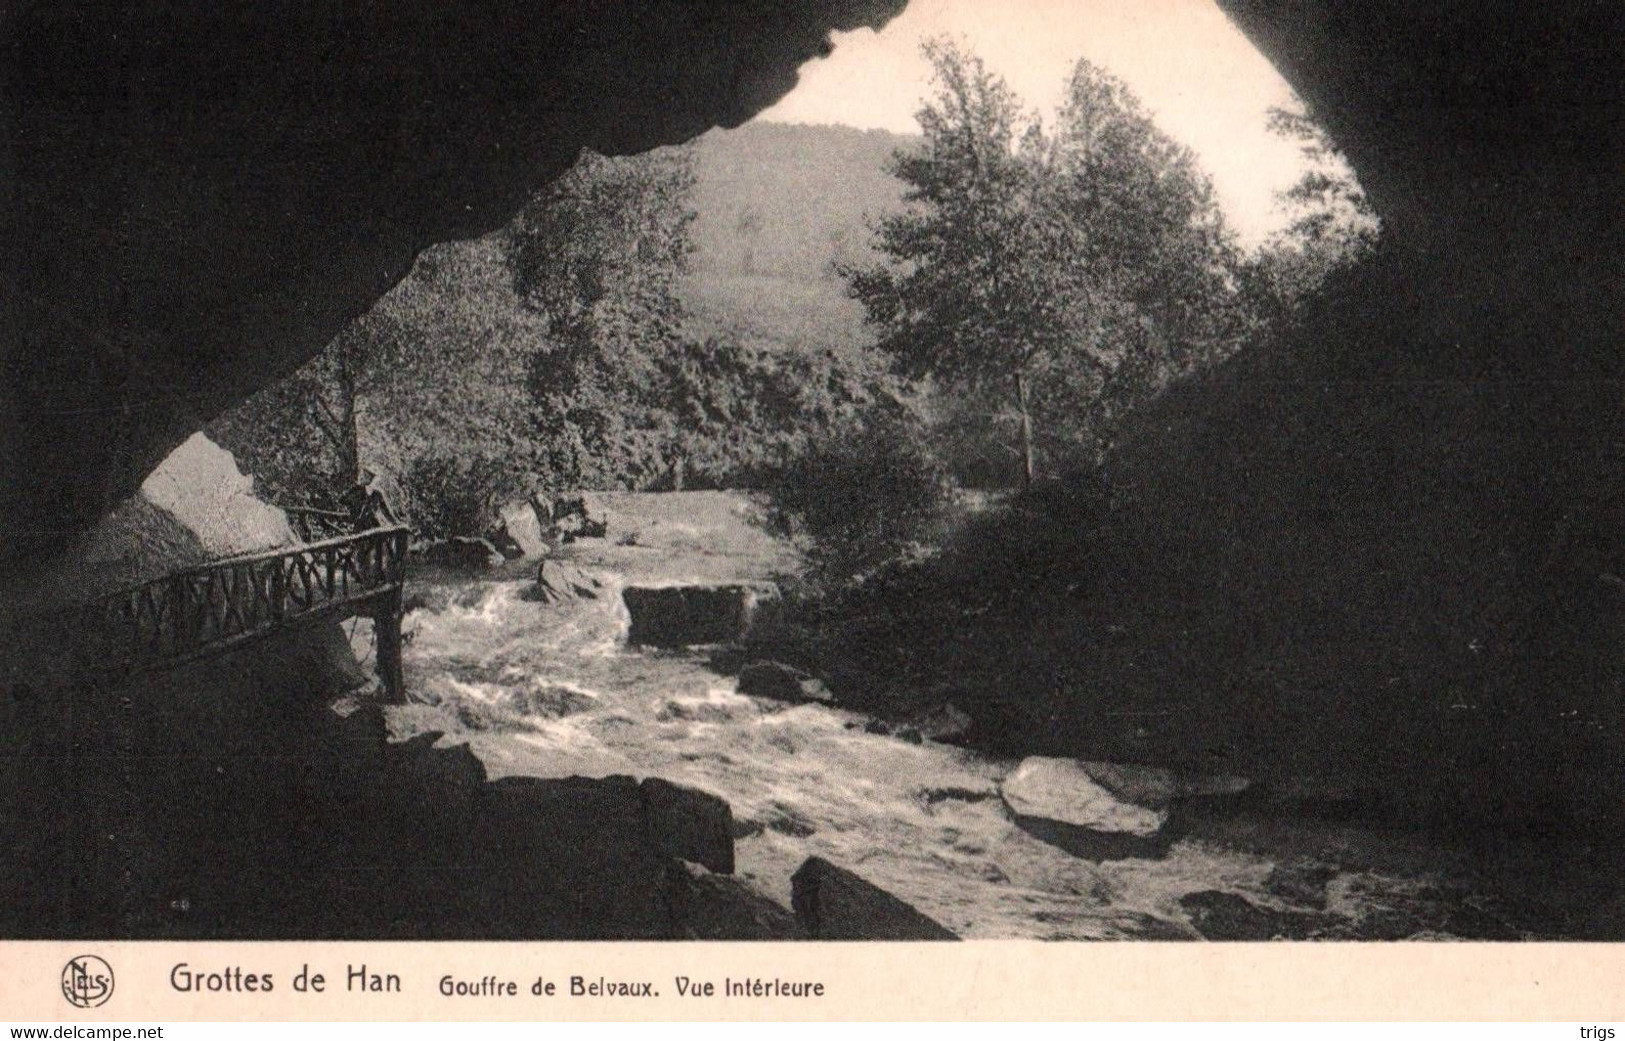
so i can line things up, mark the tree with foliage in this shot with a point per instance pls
(531, 357)
(966, 295)
(1143, 220)
(1331, 223)
(1057, 271)
(554, 354)
(1327, 204)
(598, 256)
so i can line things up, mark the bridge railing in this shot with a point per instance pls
(313, 524)
(213, 607)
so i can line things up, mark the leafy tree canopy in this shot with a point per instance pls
(1066, 270)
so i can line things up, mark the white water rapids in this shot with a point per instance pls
(552, 691)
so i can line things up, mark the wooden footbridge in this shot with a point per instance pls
(216, 607)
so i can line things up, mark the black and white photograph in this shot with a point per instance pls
(1064, 470)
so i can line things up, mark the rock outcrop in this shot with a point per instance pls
(558, 582)
(778, 682)
(1065, 804)
(832, 903)
(689, 824)
(695, 615)
(342, 834)
(196, 507)
(708, 906)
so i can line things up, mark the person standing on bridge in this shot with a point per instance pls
(366, 504)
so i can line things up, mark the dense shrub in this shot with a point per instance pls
(860, 500)
(447, 495)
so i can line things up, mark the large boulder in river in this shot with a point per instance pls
(1106, 811)
(559, 582)
(770, 679)
(462, 552)
(692, 615)
(1062, 802)
(832, 903)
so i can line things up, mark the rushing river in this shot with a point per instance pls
(552, 690)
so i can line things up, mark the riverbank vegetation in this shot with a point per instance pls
(922, 349)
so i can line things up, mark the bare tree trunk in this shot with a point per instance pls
(1029, 468)
(339, 422)
(350, 451)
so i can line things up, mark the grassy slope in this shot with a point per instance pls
(777, 207)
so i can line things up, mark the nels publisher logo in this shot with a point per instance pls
(87, 981)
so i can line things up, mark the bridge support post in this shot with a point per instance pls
(386, 627)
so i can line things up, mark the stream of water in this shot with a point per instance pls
(552, 690)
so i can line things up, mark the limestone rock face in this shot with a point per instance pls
(195, 507)
(200, 486)
(832, 903)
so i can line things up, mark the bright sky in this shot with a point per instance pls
(1196, 72)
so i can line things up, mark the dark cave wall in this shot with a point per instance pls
(1384, 551)
(199, 196)
(1489, 136)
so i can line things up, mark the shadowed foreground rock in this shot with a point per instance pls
(690, 825)
(709, 906)
(832, 903)
(289, 821)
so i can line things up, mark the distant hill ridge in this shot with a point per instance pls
(788, 201)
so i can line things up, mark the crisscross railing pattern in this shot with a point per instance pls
(210, 608)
